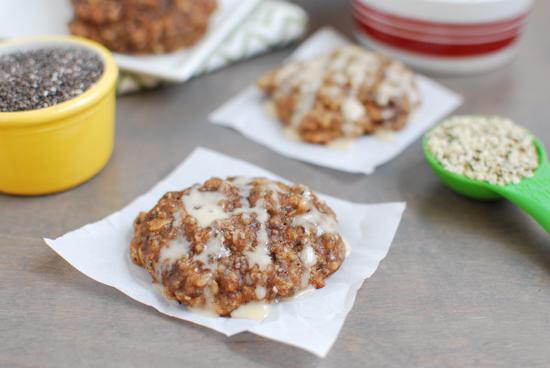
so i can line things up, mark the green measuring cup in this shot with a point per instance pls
(530, 194)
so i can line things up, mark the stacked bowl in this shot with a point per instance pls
(443, 36)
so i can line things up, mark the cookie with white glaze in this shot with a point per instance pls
(346, 93)
(225, 243)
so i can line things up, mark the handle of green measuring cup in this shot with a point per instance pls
(533, 195)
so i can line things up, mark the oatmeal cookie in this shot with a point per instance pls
(346, 93)
(142, 26)
(225, 243)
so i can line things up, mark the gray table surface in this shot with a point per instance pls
(465, 283)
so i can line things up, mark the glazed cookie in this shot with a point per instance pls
(225, 243)
(142, 26)
(346, 93)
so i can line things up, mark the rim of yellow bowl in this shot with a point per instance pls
(91, 96)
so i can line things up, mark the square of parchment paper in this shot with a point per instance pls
(311, 322)
(247, 114)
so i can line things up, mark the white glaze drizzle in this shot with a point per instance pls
(316, 222)
(291, 134)
(171, 253)
(208, 309)
(309, 259)
(397, 82)
(310, 80)
(308, 256)
(347, 247)
(361, 69)
(261, 254)
(213, 250)
(342, 144)
(256, 311)
(204, 206)
(261, 292)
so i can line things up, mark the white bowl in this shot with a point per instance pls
(443, 36)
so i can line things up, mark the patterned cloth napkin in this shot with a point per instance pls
(273, 23)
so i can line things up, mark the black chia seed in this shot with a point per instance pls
(41, 78)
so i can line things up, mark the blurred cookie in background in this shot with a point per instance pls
(346, 93)
(142, 26)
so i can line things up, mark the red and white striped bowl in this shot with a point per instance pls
(443, 36)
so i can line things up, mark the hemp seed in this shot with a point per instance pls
(490, 149)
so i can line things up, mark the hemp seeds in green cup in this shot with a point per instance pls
(489, 149)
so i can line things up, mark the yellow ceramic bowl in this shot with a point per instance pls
(55, 148)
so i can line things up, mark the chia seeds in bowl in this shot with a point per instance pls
(36, 79)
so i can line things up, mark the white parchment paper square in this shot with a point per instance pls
(311, 322)
(246, 113)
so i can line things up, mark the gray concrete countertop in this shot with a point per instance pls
(465, 283)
